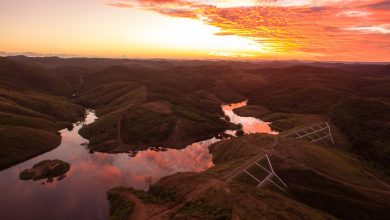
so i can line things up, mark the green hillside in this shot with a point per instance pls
(323, 183)
(31, 111)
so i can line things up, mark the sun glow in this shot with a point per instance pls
(347, 30)
(194, 36)
(117, 34)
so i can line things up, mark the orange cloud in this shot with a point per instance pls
(385, 5)
(120, 4)
(178, 13)
(326, 29)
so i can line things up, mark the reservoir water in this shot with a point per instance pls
(82, 193)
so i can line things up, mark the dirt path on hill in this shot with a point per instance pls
(140, 210)
(144, 211)
(119, 141)
(162, 214)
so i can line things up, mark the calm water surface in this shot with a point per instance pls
(82, 193)
(250, 125)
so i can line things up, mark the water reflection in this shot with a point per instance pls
(82, 194)
(250, 125)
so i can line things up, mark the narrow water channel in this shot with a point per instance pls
(82, 193)
(250, 125)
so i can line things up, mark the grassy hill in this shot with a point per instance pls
(143, 103)
(323, 183)
(355, 97)
(147, 108)
(21, 77)
(32, 109)
(355, 101)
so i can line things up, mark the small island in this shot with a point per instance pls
(45, 169)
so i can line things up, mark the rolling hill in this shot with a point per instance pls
(143, 103)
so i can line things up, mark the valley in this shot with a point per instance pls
(164, 134)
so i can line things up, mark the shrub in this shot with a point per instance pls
(120, 207)
(200, 208)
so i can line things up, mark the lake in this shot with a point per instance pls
(82, 193)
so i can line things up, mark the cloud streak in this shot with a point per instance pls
(380, 29)
(326, 29)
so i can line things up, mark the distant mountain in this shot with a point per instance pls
(20, 76)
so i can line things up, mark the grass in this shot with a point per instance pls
(339, 200)
(156, 194)
(241, 148)
(252, 111)
(143, 127)
(327, 159)
(370, 135)
(195, 115)
(24, 77)
(110, 95)
(163, 193)
(279, 206)
(56, 108)
(354, 101)
(21, 143)
(8, 106)
(7, 119)
(120, 207)
(129, 99)
(354, 97)
(103, 129)
(29, 121)
(297, 164)
(200, 208)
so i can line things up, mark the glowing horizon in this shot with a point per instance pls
(324, 30)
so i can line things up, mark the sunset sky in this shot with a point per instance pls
(340, 30)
